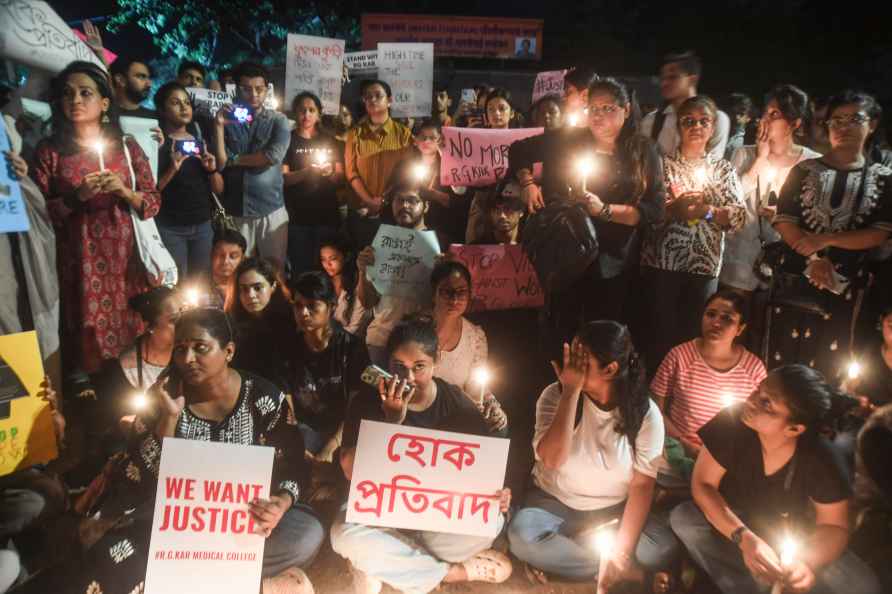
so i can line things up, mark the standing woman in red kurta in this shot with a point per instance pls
(99, 267)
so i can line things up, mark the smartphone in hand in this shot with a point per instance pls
(190, 148)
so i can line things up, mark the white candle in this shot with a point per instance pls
(605, 542)
(585, 165)
(99, 146)
(700, 177)
(139, 401)
(770, 174)
(481, 378)
(192, 297)
(854, 370)
(787, 557)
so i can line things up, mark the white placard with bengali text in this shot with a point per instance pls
(32, 34)
(409, 70)
(420, 479)
(315, 64)
(404, 259)
(213, 551)
(141, 130)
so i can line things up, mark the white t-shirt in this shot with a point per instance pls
(599, 468)
(457, 366)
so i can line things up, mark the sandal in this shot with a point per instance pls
(489, 566)
(535, 575)
(291, 581)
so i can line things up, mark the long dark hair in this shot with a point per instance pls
(811, 400)
(162, 94)
(348, 271)
(610, 341)
(632, 148)
(793, 103)
(279, 301)
(63, 131)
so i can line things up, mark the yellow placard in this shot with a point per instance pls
(26, 435)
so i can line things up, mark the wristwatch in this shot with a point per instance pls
(737, 535)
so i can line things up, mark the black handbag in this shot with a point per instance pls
(561, 243)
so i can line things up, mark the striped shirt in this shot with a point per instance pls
(695, 392)
(372, 155)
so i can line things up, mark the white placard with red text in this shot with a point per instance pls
(214, 550)
(420, 479)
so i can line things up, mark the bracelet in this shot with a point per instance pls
(606, 213)
(737, 535)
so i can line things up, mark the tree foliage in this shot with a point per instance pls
(225, 32)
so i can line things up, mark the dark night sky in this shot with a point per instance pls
(747, 45)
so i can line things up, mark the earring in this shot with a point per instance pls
(105, 119)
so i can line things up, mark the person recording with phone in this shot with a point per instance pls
(188, 176)
(250, 143)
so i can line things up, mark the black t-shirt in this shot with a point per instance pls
(451, 410)
(322, 384)
(817, 474)
(611, 180)
(313, 202)
(186, 200)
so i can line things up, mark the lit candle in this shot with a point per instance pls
(573, 119)
(787, 557)
(585, 165)
(420, 172)
(605, 542)
(854, 370)
(727, 400)
(700, 177)
(192, 297)
(273, 103)
(139, 401)
(99, 146)
(481, 378)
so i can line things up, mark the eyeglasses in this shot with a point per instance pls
(689, 122)
(453, 294)
(409, 201)
(604, 110)
(856, 119)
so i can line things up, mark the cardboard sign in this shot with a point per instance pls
(458, 36)
(502, 277)
(34, 35)
(407, 477)
(409, 70)
(361, 62)
(141, 130)
(315, 64)
(478, 156)
(404, 259)
(26, 424)
(202, 539)
(38, 109)
(208, 101)
(13, 216)
(109, 55)
(549, 83)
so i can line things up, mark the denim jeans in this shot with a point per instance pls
(721, 559)
(560, 540)
(295, 541)
(413, 562)
(303, 246)
(313, 440)
(190, 246)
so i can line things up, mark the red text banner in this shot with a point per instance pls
(502, 277)
(478, 156)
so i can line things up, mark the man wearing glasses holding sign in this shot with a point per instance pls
(251, 143)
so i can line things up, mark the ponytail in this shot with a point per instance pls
(811, 400)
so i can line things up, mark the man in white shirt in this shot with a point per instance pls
(679, 77)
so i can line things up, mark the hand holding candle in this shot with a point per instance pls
(701, 176)
(585, 165)
(787, 558)
(99, 146)
(481, 378)
(605, 544)
(420, 172)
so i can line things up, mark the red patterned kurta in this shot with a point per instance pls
(99, 267)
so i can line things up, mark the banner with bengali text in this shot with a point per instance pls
(314, 64)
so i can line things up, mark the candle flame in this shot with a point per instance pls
(321, 157)
(770, 174)
(481, 376)
(788, 551)
(419, 172)
(854, 370)
(573, 119)
(192, 297)
(727, 400)
(585, 165)
(139, 401)
(98, 146)
(604, 541)
(700, 176)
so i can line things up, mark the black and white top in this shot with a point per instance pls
(695, 246)
(820, 199)
(260, 417)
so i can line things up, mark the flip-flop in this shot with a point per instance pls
(534, 574)
(489, 566)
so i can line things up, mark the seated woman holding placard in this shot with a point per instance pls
(199, 397)
(598, 445)
(414, 397)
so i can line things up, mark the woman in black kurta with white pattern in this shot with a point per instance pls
(832, 211)
(212, 402)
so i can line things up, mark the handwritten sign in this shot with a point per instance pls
(502, 277)
(361, 62)
(26, 425)
(202, 533)
(208, 101)
(409, 70)
(407, 477)
(548, 83)
(478, 156)
(315, 64)
(38, 109)
(141, 131)
(13, 216)
(34, 35)
(404, 259)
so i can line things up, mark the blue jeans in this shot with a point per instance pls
(313, 440)
(303, 246)
(721, 559)
(413, 562)
(558, 539)
(190, 246)
(295, 541)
